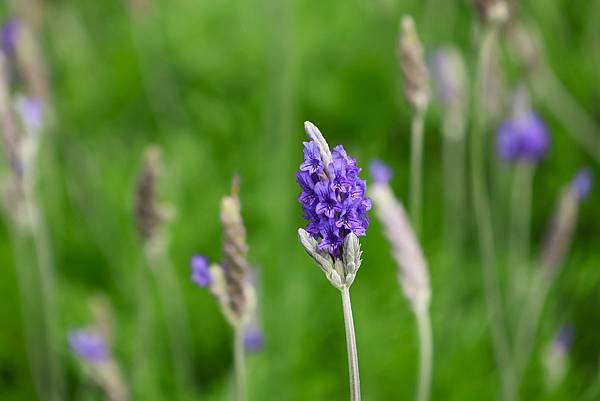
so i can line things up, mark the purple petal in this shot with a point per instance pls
(200, 271)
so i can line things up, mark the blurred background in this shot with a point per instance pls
(223, 87)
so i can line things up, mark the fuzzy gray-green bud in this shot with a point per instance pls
(310, 246)
(352, 254)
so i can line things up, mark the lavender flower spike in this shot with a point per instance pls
(89, 345)
(413, 274)
(334, 203)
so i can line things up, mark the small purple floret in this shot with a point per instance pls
(8, 36)
(523, 138)
(200, 271)
(564, 338)
(254, 339)
(332, 198)
(582, 183)
(89, 345)
(31, 111)
(380, 172)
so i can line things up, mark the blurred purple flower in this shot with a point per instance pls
(8, 36)
(447, 71)
(380, 172)
(89, 345)
(333, 197)
(524, 137)
(582, 183)
(254, 339)
(31, 111)
(200, 271)
(564, 338)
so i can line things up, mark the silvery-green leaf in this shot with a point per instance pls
(310, 246)
(352, 254)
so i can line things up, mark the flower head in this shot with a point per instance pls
(582, 183)
(380, 172)
(332, 198)
(89, 345)
(200, 271)
(524, 137)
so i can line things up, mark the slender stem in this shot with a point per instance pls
(454, 183)
(416, 169)
(49, 307)
(240, 365)
(520, 211)
(425, 353)
(520, 226)
(483, 217)
(351, 345)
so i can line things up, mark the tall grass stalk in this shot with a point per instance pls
(351, 345)
(483, 216)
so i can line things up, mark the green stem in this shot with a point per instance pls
(454, 183)
(50, 317)
(426, 352)
(483, 217)
(416, 169)
(520, 227)
(240, 365)
(351, 345)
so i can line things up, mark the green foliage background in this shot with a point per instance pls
(223, 86)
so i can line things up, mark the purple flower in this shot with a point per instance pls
(380, 172)
(312, 160)
(89, 345)
(254, 339)
(523, 137)
(582, 183)
(564, 338)
(31, 111)
(200, 271)
(332, 198)
(8, 36)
